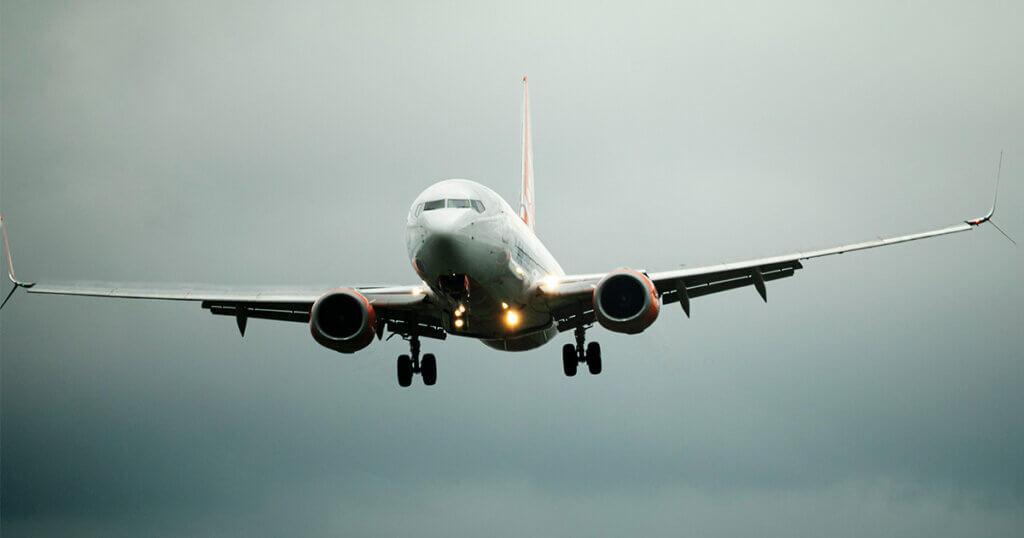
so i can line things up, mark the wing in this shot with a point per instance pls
(569, 298)
(393, 303)
(284, 304)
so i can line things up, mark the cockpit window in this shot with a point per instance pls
(433, 204)
(452, 203)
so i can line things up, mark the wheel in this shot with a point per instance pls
(428, 369)
(404, 370)
(569, 359)
(594, 358)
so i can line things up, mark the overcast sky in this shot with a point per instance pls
(878, 393)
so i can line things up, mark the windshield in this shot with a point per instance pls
(451, 203)
(433, 204)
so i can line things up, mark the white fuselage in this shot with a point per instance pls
(471, 248)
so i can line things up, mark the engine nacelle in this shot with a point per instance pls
(343, 320)
(626, 301)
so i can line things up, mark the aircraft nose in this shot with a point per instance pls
(442, 222)
(445, 248)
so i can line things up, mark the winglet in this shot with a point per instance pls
(992, 211)
(995, 197)
(10, 261)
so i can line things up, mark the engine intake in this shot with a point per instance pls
(343, 320)
(626, 301)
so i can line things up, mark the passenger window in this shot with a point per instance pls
(433, 204)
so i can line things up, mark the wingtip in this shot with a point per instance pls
(992, 211)
(995, 191)
(10, 261)
(7, 251)
(995, 197)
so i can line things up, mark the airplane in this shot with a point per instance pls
(486, 275)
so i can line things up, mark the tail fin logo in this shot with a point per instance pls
(526, 206)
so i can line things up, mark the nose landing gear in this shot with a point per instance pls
(573, 355)
(409, 365)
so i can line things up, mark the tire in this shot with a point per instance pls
(428, 369)
(569, 360)
(404, 370)
(594, 358)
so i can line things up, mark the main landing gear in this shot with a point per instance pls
(573, 355)
(409, 365)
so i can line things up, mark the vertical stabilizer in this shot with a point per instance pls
(526, 209)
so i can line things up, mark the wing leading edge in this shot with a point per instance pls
(292, 303)
(569, 297)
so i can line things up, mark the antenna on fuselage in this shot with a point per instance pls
(526, 207)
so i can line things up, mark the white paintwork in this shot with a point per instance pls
(500, 254)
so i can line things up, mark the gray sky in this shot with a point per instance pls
(877, 393)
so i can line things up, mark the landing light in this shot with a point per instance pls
(511, 318)
(549, 282)
(504, 305)
(459, 323)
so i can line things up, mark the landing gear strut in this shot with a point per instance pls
(573, 355)
(412, 364)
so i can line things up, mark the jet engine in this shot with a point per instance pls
(343, 320)
(626, 301)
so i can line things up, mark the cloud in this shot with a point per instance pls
(246, 144)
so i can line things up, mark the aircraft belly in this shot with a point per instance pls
(522, 342)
